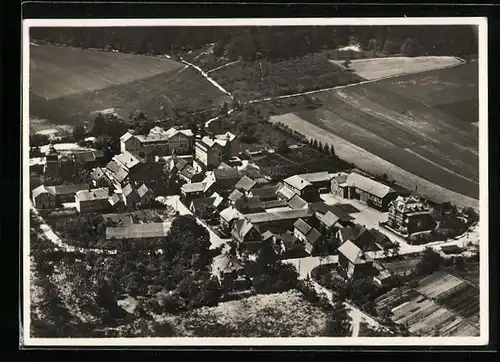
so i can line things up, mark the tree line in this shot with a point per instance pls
(267, 42)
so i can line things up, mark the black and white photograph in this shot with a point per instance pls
(312, 181)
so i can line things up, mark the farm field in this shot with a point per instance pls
(377, 68)
(156, 96)
(285, 314)
(57, 71)
(454, 91)
(260, 79)
(436, 305)
(408, 134)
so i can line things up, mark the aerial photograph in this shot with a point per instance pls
(253, 181)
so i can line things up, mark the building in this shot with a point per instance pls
(235, 195)
(210, 151)
(353, 262)
(245, 184)
(321, 181)
(363, 238)
(368, 191)
(146, 196)
(296, 185)
(265, 193)
(189, 174)
(230, 272)
(338, 184)
(116, 171)
(204, 208)
(192, 191)
(297, 202)
(246, 235)
(227, 218)
(51, 168)
(321, 209)
(66, 193)
(408, 215)
(138, 231)
(279, 220)
(289, 245)
(116, 202)
(130, 196)
(307, 234)
(158, 142)
(43, 198)
(92, 200)
(248, 205)
(101, 177)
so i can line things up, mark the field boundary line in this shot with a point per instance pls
(267, 99)
(222, 66)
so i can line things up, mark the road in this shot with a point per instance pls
(177, 205)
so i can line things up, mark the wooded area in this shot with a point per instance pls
(268, 42)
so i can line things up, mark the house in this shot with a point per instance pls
(328, 221)
(204, 208)
(189, 174)
(297, 202)
(364, 239)
(265, 193)
(369, 192)
(210, 151)
(235, 195)
(338, 184)
(227, 217)
(321, 181)
(245, 184)
(158, 142)
(279, 221)
(116, 202)
(130, 196)
(66, 193)
(289, 244)
(248, 205)
(225, 179)
(321, 209)
(146, 196)
(87, 157)
(138, 231)
(408, 215)
(230, 272)
(307, 234)
(127, 161)
(296, 185)
(274, 204)
(117, 172)
(246, 235)
(219, 201)
(192, 191)
(353, 262)
(100, 178)
(92, 200)
(43, 198)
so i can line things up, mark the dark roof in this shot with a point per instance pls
(313, 236)
(188, 171)
(245, 184)
(360, 236)
(226, 173)
(203, 202)
(302, 226)
(251, 204)
(323, 208)
(288, 238)
(297, 202)
(235, 195)
(382, 239)
(267, 192)
(273, 204)
(181, 164)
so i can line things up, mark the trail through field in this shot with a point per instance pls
(222, 66)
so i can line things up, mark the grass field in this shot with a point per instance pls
(59, 71)
(420, 140)
(120, 82)
(274, 315)
(377, 68)
(260, 79)
(453, 91)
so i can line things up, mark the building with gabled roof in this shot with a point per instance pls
(265, 193)
(192, 191)
(43, 198)
(235, 195)
(248, 205)
(370, 192)
(319, 180)
(409, 215)
(307, 234)
(246, 235)
(138, 231)
(245, 184)
(158, 142)
(354, 262)
(297, 202)
(230, 271)
(228, 216)
(299, 186)
(92, 200)
(211, 150)
(204, 208)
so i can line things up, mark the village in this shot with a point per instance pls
(344, 225)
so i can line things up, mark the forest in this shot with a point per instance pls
(267, 42)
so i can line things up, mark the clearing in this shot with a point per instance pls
(285, 314)
(57, 71)
(258, 79)
(378, 68)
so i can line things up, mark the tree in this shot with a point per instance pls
(315, 143)
(332, 150)
(37, 140)
(339, 322)
(79, 132)
(409, 47)
(430, 262)
(283, 147)
(99, 126)
(266, 257)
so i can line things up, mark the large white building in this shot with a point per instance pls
(158, 142)
(210, 150)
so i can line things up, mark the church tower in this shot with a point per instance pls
(52, 163)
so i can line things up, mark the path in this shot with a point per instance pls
(222, 66)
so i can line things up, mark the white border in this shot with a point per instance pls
(317, 341)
